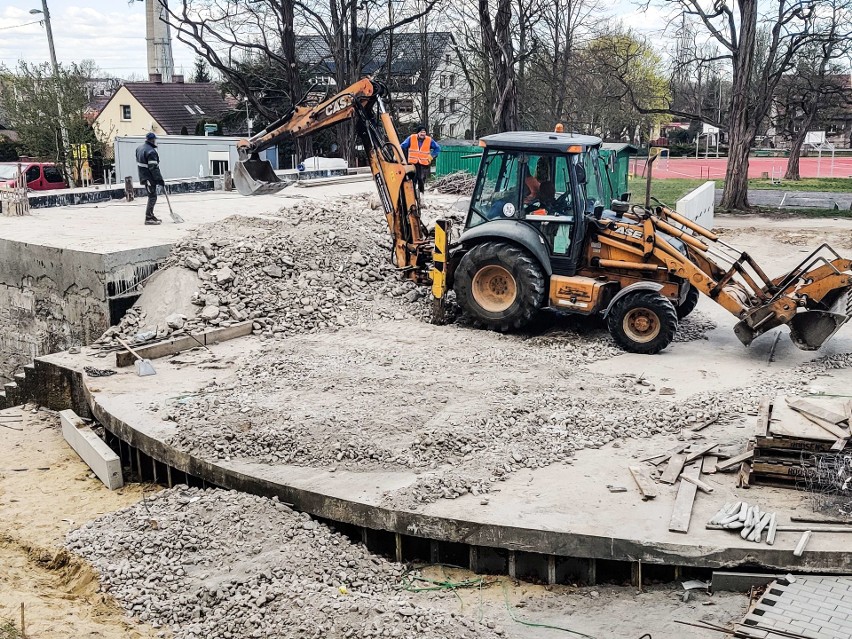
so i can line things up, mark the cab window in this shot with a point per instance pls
(496, 194)
(52, 175)
(593, 189)
(546, 186)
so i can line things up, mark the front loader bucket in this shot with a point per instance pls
(811, 329)
(256, 177)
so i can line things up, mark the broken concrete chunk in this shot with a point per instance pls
(224, 275)
(192, 262)
(273, 270)
(210, 312)
(176, 320)
(358, 259)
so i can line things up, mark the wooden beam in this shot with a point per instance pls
(659, 459)
(708, 464)
(179, 344)
(808, 408)
(646, 485)
(673, 470)
(682, 511)
(694, 480)
(699, 452)
(736, 459)
(827, 426)
(763, 412)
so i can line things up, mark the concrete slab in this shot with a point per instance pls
(564, 510)
(92, 449)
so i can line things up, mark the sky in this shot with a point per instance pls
(110, 32)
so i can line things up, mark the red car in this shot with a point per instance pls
(40, 176)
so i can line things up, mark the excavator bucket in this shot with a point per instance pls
(811, 329)
(256, 177)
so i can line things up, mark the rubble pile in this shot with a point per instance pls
(217, 564)
(315, 266)
(457, 183)
(348, 405)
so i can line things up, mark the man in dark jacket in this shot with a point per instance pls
(148, 162)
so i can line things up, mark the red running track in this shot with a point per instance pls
(714, 168)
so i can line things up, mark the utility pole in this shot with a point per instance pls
(66, 148)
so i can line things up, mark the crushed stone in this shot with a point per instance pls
(216, 564)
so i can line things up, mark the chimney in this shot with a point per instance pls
(155, 77)
(177, 79)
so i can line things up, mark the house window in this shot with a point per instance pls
(405, 106)
(453, 103)
(442, 103)
(447, 58)
(436, 131)
(451, 131)
(452, 79)
(443, 81)
(219, 162)
(125, 112)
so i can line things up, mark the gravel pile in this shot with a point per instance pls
(214, 564)
(313, 267)
(481, 411)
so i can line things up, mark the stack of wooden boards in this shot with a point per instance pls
(794, 435)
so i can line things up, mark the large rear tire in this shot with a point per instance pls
(499, 286)
(689, 303)
(642, 322)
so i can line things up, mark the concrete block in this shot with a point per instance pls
(92, 450)
(698, 205)
(240, 329)
(725, 581)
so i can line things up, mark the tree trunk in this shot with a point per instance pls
(798, 142)
(497, 38)
(741, 132)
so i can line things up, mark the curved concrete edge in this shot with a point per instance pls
(408, 524)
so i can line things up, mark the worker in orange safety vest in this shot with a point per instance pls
(421, 150)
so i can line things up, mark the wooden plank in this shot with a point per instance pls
(705, 424)
(733, 461)
(700, 451)
(838, 431)
(816, 518)
(682, 511)
(809, 408)
(708, 464)
(701, 485)
(662, 457)
(646, 485)
(673, 470)
(763, 412)
(786, 422)
(179, 344)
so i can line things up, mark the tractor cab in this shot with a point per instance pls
(544, 185)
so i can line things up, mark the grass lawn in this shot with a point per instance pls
(671, 190)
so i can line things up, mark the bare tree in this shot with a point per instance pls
(818, 88)
(500, 51)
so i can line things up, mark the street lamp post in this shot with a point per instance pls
(63, 130)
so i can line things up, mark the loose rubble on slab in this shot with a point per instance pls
(214, 564)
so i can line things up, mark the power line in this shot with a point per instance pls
(16, 26)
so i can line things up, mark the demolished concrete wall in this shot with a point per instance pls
(53, 298)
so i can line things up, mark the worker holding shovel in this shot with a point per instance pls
(148, 163)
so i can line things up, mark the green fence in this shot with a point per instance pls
(466, 158)
(458, 158)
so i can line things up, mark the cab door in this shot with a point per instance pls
(33, 177)
(551, 208)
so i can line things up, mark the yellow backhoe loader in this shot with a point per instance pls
(543, 230)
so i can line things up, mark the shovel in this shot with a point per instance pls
(143, 366)
(177, 219)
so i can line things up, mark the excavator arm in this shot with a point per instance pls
(361, 102)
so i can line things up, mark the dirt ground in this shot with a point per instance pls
(45, 491)
(603, 612)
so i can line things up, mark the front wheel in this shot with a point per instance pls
(643, 322)
(689, 303)
(499, 285)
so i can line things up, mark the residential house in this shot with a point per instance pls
(169, 108)
(422, 71)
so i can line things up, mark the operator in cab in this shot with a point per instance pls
(421, 150)
(148, 163)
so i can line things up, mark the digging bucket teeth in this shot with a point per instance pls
(256, 177)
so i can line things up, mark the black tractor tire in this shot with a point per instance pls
(642, 322)
(499, 286)
(689, 303)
